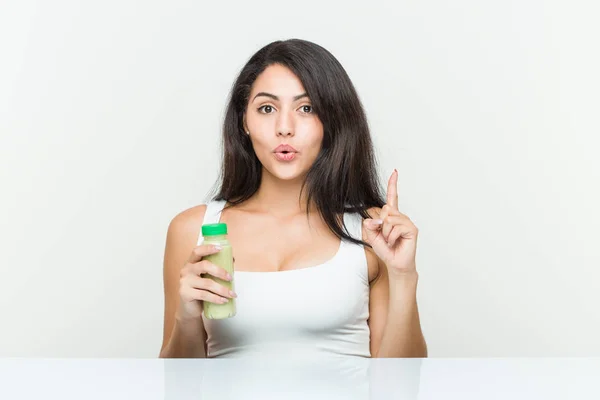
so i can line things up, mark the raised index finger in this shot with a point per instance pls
(392, 190)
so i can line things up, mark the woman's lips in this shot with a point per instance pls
(285, 156)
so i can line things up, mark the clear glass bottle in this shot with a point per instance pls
(216, 234)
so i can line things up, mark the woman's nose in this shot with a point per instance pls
(284, 127)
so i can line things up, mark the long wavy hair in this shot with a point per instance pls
(343, 178)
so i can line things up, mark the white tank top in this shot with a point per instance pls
(319, 310)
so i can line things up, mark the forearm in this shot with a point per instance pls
(186, 341)
(402, 336)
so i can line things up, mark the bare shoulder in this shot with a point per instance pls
(187, 223)
(182, 237)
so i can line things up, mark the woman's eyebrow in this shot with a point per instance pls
(265, 94)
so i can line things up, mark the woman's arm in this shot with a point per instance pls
(394, 316)
(182, 337)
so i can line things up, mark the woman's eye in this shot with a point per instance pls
(266, 109)
(307, 109)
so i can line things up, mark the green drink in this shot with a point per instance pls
(216, 234)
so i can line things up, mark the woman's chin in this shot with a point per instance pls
(287, 174)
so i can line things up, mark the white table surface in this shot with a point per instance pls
(331, 378)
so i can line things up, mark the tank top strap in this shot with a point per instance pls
(354, 254)
(353, 222)
(212, 215)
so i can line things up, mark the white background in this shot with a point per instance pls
(110, 116)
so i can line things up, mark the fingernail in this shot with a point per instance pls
(395, 170)
(377, 221)
(217, 247)
(229, 277)
(232, 293)
(224, 300)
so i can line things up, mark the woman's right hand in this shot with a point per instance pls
(194, 288)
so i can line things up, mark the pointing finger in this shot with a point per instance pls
(392, 190)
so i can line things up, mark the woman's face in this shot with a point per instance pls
(280, 113)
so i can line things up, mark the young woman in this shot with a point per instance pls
(324, 262)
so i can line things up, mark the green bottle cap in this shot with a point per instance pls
(214, 229)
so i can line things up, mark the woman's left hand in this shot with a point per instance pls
(393, 235)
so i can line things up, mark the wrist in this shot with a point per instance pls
(410, 276)
(403, 284)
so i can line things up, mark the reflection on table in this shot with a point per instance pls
(348, 378)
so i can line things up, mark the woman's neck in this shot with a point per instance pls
(280, 197)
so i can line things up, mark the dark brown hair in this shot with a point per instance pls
(343, 178)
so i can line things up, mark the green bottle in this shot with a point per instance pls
(216, 234)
